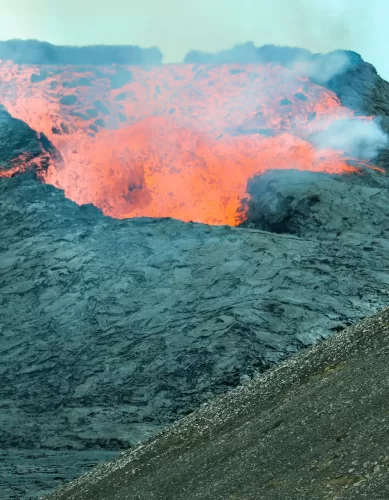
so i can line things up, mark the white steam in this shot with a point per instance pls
(177, 26)
(359, 138)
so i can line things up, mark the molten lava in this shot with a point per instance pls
(176, 141)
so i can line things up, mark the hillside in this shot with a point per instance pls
(316, 427)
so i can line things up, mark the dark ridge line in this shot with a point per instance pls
(37, 52)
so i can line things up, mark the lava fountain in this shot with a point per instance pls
(178, 140)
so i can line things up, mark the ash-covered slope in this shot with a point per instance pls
(111, 330)
(314, 428)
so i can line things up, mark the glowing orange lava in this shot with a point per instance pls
(175, 140)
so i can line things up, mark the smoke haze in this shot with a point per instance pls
(176, 26)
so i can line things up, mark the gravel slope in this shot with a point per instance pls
(315, 427)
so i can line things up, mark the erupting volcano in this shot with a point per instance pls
(111, 330)
(178, 140)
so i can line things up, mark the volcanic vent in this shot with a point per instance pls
(182, 140)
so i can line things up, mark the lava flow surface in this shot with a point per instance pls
(177, 141)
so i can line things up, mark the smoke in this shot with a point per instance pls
(324, 69)
(354, 136)
(362, 139)
(177, 26)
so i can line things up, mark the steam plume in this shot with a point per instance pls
(210, 25)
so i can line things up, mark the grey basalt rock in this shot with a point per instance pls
(318, 205)
(112, 329)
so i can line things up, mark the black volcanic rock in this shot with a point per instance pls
(120, 78)
(17, 138)
(36, 52)
(39, 77)
(318, 205)
(80, 82)
(68, 100)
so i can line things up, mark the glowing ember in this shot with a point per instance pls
(173, 141)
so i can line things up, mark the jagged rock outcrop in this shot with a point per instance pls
(19, 144)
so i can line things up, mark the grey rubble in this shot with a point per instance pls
(314, 428)
(111, 330)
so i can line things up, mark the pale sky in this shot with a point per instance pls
(176, 26)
